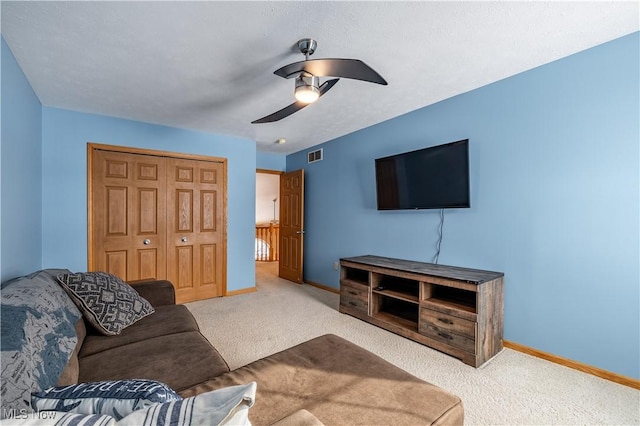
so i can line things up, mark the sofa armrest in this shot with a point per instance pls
(157, 292)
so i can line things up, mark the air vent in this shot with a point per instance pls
(314, 156)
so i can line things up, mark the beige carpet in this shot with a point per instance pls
(511, 389)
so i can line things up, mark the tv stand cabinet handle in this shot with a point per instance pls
(353, 304)
(353, 293)
(445, 320)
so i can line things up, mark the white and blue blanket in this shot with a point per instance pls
(37, 339)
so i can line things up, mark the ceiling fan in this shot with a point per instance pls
(307, 75)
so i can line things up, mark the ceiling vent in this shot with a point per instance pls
(314, 156)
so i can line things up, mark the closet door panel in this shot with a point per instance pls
(128, 215)
(195, 223)
(116, 262)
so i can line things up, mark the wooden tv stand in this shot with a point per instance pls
(457, 311)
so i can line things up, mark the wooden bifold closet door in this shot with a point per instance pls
(155, 216)
(195, 247)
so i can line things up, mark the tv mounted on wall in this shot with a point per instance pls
(431, 178)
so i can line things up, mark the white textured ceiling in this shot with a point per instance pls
(209, 65)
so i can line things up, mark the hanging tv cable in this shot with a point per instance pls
(439, 243)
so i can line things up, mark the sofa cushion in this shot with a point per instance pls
(38, 336)
(157, 292)
(107, 302)
(340, 383)
(168, 319)
(180, 360)
(115, 398)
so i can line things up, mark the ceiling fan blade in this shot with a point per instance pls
(347, 68)
(279, 115)
(294, 107)
(324, 87)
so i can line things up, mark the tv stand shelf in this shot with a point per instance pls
(398, 295)
(458, 311)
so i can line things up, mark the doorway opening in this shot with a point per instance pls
(267, 236)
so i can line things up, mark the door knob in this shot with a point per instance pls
(299, 232)
(184, 239)
(146, 242)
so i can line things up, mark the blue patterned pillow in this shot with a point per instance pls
(38, 337)
(106, 301)
(116, 398)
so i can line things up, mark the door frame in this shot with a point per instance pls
(92, 146)
(271, 172)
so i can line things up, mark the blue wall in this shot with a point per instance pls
(271, 161)
(21, 184)
(64, 177)
(555, 201)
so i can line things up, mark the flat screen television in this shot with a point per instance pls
(431, 178)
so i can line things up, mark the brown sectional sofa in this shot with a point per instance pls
(327, 380)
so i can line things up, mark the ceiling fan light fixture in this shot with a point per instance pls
(307, 90)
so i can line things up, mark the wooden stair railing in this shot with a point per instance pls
(267, 242)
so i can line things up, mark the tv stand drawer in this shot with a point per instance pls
(447, 323)
(463, 342)
(354, 296)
